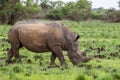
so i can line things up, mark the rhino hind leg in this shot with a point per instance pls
(16, 54)
(10, 55)
(57, 50)
(13, 39)
(14, 51)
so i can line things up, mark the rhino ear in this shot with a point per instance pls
(77, 37)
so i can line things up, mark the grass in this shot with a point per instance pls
(97, 38)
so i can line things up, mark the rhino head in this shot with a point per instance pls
(74, 53)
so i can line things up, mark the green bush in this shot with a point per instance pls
(79, 10)
(55, 14)
(97, 13)
(11, 11)
(111, 15)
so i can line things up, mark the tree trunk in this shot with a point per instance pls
(12, 17)
(9, 18)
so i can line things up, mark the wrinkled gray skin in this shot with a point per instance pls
(43, 37)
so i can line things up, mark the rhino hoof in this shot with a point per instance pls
(9, 62)
(64, 67)
(53, 66)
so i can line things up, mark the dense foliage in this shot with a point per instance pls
(97, 38)
(12, 10)
(79, 10)
(111, 15)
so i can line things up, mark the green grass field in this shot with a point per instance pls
(96, 38)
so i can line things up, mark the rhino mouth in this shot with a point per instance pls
(77, 58)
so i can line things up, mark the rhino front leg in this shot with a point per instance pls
(52, 59)
(57, 50)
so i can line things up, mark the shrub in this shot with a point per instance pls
(97, 13)
(11, 11)
(55, 14)
(79, 10)
(111, 15)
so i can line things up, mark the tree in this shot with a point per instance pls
(48, 5)
(6, 10)
(111, 15)
(56, 4)
(45, 4)
(11, 10)
(97, 13)
(79, 10)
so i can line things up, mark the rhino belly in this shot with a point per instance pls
(40, 47)
(33, 42)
